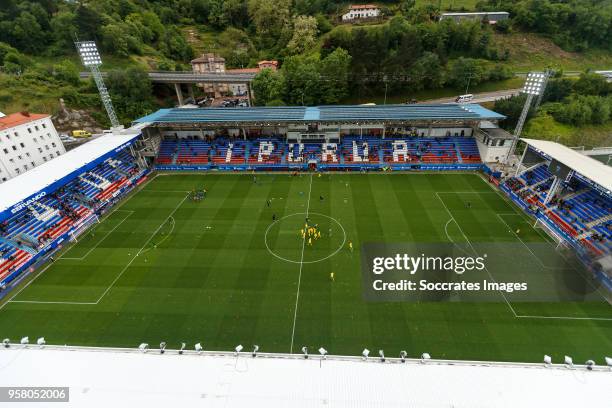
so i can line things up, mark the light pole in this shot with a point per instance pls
(534, 86)
(90, 58)
(386, 86)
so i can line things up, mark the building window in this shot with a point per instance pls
(33, 165)
(46, 147)
(5, 151)
(40, 150)
(58, 153)
(21, 144)
(45, 158)
(44, 126)
(14, 147)
(36, 127)
(53, 144)
(502, 142)
(29, 130)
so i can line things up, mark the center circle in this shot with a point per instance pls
(332, 225)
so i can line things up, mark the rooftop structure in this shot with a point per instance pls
(330, 114)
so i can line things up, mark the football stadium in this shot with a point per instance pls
(212, 228)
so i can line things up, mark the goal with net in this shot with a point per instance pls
(82, 226)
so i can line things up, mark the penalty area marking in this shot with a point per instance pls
(302, 258)
(99, 242)
(112, 283)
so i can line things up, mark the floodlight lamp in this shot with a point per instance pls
(534, 83)
(255, 350)
(590, 364)
(425, 357)
(323, 352)
(238, 348)
(305, 351)
(365, 353)
(88, 51)
(25, 340)
(183, 345)
(381, 353)
(609, 361)
(162, 347)
(547, 359)
(568, 361)
(41, 341)
(6, 342)
(198, 347)
(403, 355)
(143, 347)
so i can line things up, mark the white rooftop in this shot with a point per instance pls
(31, 182)
(121, 378)
(590, 168)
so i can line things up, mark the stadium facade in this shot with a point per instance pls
(53, 203)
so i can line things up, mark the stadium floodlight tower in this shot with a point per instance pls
(534, 86)
(90, 58)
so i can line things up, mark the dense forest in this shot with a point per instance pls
(322, 61)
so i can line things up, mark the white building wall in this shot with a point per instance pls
(28, 145)
(361, 13)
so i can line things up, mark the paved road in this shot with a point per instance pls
(480, 97)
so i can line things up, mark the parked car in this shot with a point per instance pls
(81, 133)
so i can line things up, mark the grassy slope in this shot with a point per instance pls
(219, 285)
(529, 51)
(546, 127)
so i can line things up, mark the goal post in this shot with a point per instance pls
(83, 226)
(561, 242)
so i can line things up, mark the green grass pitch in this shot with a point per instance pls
(161, 267)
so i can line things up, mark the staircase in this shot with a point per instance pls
(459, 158)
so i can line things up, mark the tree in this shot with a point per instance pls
(267, 86)
(63, 27)
(174, 46)
(464, 71)
(114, 40)
(591, 83)
(304, 34)
(512, 108)
(27, 33)
(131, 92)
(334, 70)
(269, 18)
(302, 80)
(88, 21)
(429, 71)
(66, 72)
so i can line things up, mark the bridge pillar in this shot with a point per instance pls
(179, 94)
(191, 94)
